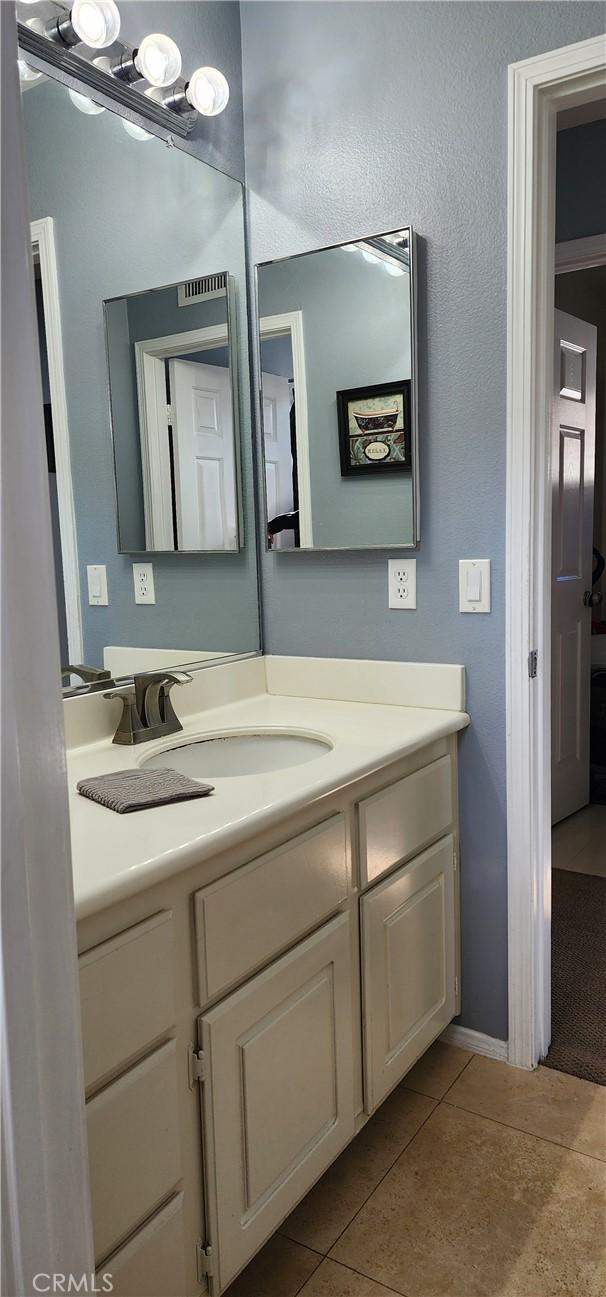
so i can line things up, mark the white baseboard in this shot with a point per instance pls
(465, 1038)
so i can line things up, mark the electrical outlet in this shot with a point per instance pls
(402, 582)
(143, 578)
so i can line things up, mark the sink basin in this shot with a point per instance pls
(227, 756)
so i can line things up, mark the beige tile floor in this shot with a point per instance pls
(474, 1179)
(579, 843)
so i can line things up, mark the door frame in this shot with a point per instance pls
(277, 326)
(150, 355)
(43, 237)
(538, 89)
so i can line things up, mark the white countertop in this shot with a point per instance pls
(115, 856)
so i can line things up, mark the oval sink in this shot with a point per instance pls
(227, 756)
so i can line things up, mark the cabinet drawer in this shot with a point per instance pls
(152, 1263)
(133, 1146)
(245, 919)
(402, 819)
(127, 995)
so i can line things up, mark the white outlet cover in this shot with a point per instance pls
(402, 583)
(143, 581)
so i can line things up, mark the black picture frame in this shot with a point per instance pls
(398, 439)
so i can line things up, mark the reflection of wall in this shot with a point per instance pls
(128, 216)
(276, 356)
(356, 330)
(137, 319)
(382, 114)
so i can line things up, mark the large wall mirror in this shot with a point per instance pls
(338, 393)
(141, 292)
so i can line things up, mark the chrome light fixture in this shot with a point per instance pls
(207, 91)
(95, 23)
(157, 60)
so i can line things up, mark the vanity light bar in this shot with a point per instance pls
(156, 60)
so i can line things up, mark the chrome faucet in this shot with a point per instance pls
(147, 711)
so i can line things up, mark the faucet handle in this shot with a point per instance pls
(130, 725)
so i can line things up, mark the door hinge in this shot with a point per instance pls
(169, 414)
(204, 1259)
(533, 661)
(196, 1065)
(456, 985)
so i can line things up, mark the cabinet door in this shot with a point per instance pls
(277, 1098)
(408, 958)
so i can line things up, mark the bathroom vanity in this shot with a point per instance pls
(258, 969)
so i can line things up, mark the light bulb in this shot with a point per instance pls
(208, 91)
(95, 22)
(349, 247)
(135, 131)
(369, 256)
(26, 73)
(158, 59)
(84, 104)
(392, 269)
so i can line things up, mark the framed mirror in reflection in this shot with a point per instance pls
(112, 217)
(337, 357)
(174, 405)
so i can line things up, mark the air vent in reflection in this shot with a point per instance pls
(201, 290)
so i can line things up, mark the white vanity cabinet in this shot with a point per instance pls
(241, 1021)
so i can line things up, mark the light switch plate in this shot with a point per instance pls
(143, 580)
(96, 576)
(402, 583)
(474, 585)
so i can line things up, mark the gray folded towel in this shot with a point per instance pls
(137, 790)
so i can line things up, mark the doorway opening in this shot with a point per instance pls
(563, 80)
(578, 671)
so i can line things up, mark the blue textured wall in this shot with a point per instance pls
(362, 117)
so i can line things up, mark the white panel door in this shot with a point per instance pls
(572, 477)
(278, 1099)
(204, 454)
(278, 453)
(409, 943)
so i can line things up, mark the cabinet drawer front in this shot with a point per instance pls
(408, 962)
(152, 1263)
(401, 819)
(279, 1100)
(127, 996)
(245, 919)
(133, 1145)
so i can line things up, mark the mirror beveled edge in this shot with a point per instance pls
(260, 456)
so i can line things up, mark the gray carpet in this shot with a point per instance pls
(578, 976)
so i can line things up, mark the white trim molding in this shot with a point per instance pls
(476, 1041)
(580, 254)
(538, 89)
(277, 326)
(43, 237)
